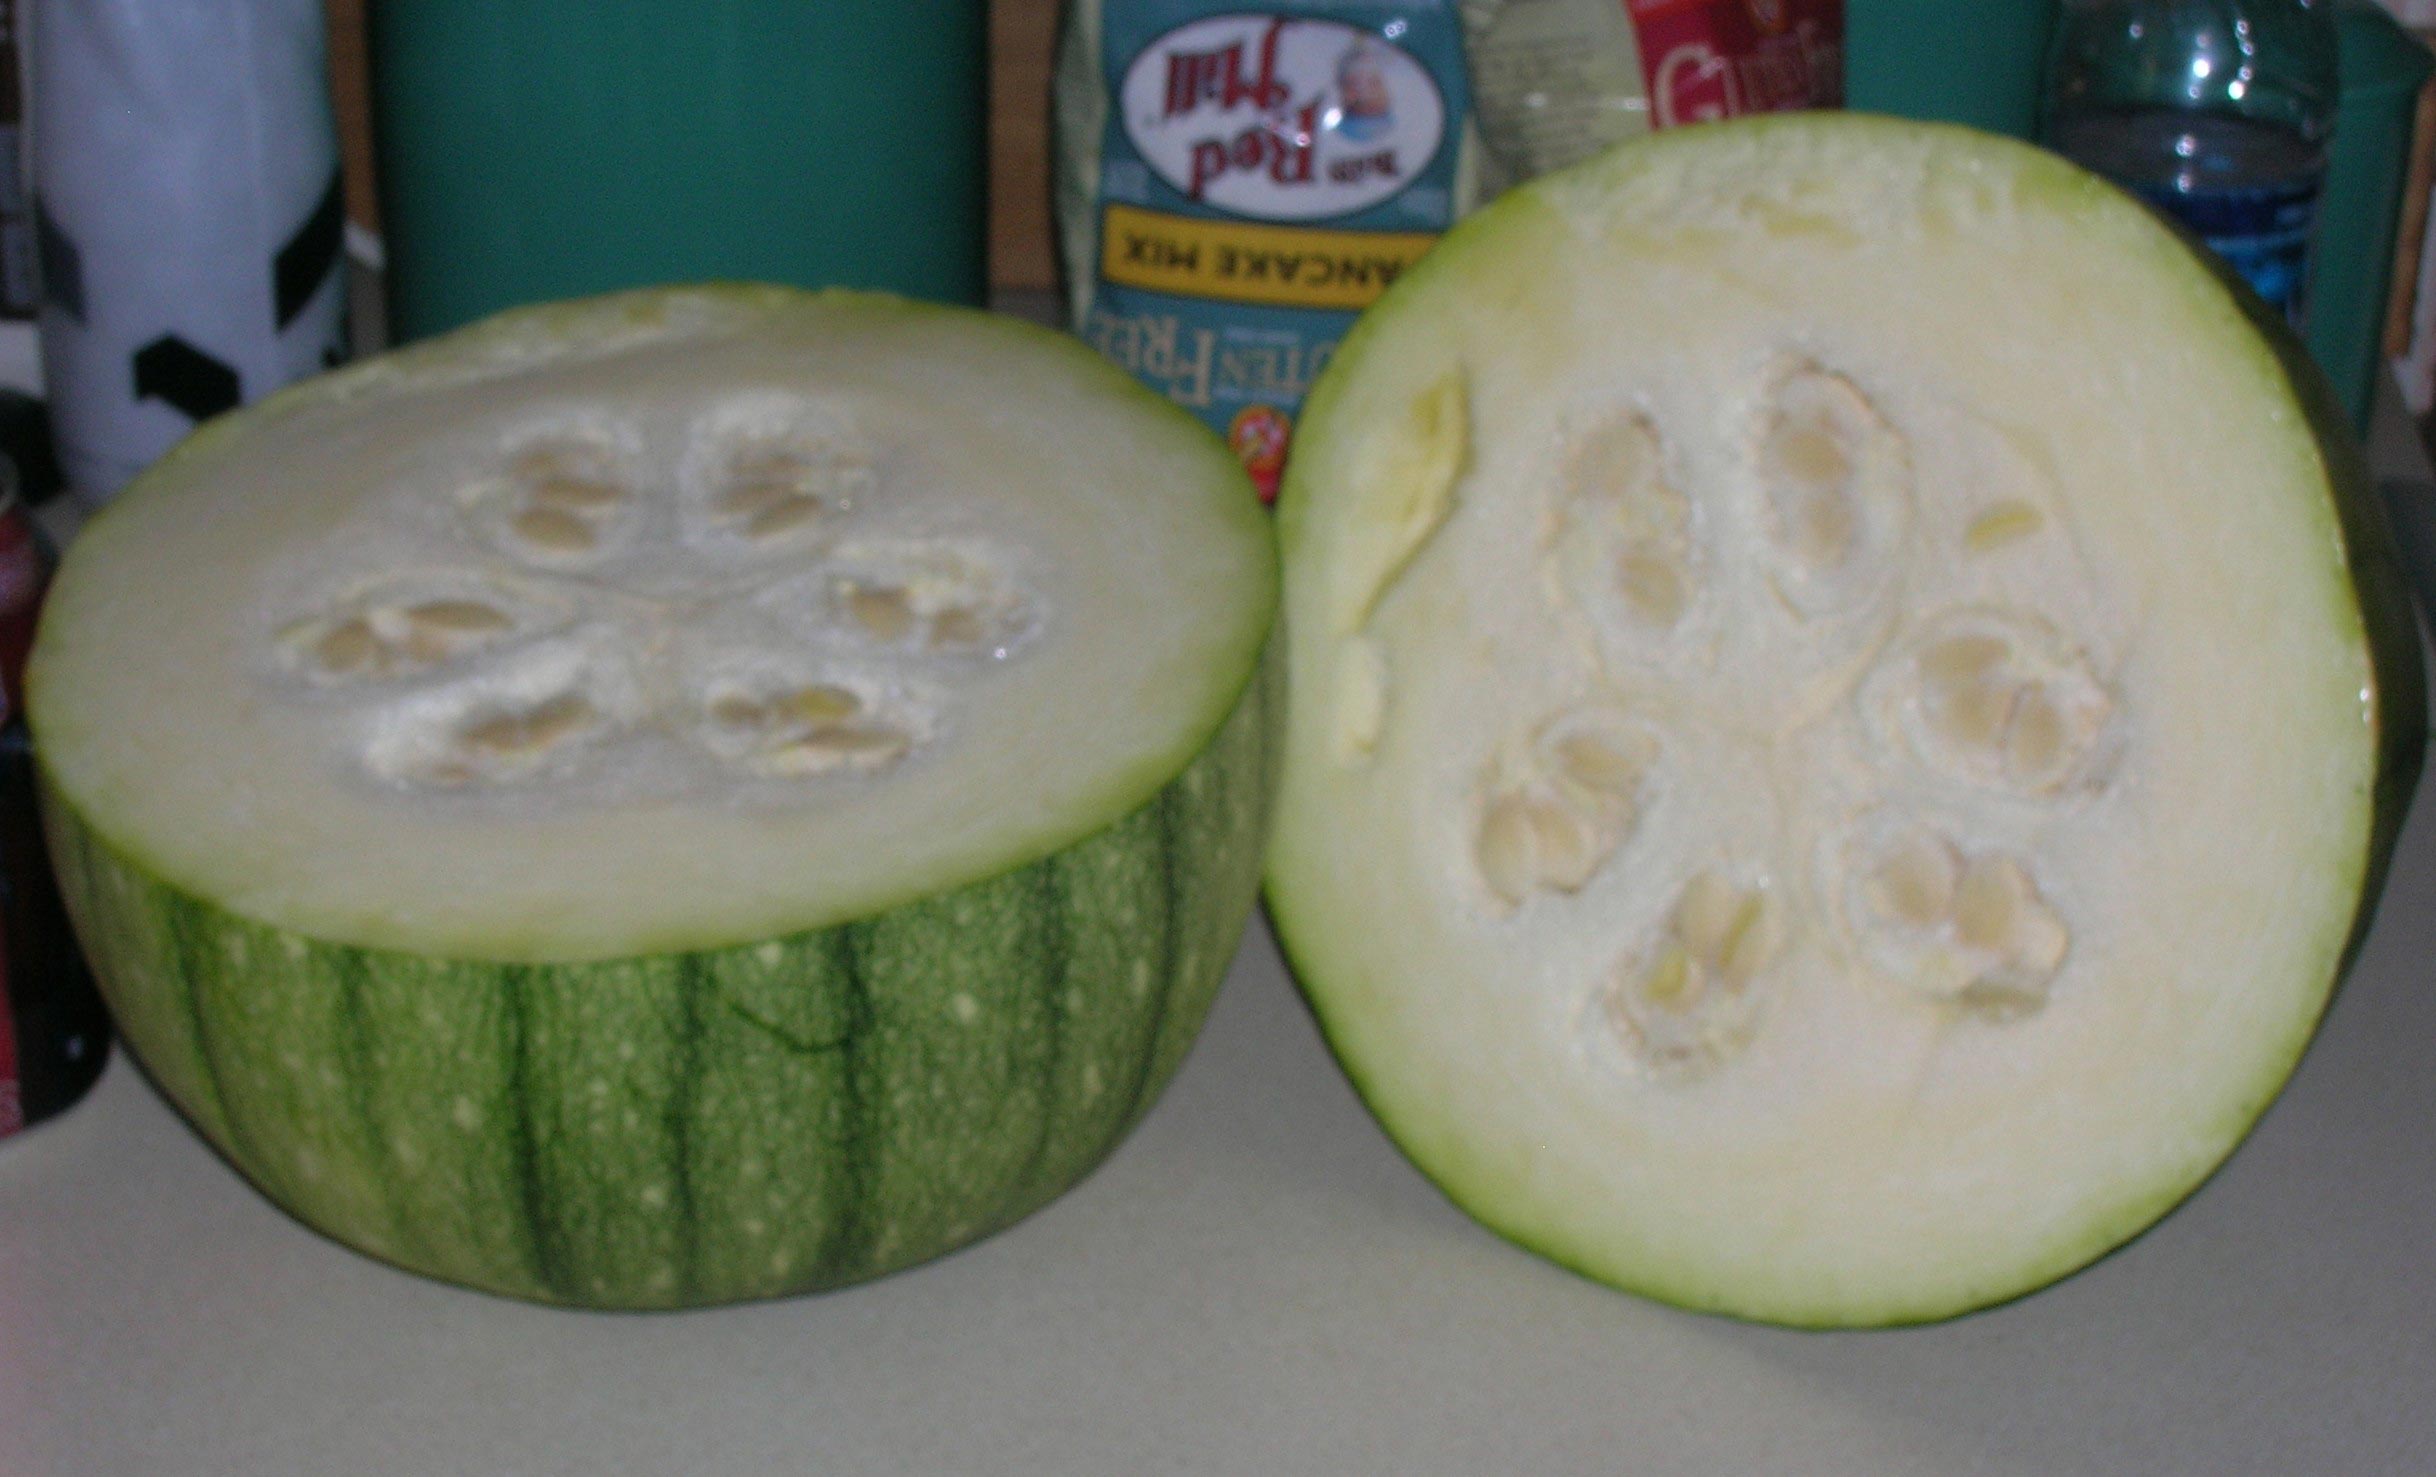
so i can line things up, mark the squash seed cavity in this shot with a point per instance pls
(1997, 700)
(808, 728)
(561, 498)
(1559, 808)
(636, 621)
(1834, 478)
(932, 600)
(1673, 541)
(1622, 543)
(1974, 932)
(1688, 1002)
(775, 490)
(400, 631)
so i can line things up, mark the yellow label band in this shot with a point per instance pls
(1239, 262)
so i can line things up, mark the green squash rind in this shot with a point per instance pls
(770, 1118)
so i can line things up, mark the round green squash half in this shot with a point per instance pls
(1848, 699)
(680, 797)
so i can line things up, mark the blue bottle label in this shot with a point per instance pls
(2261, 231)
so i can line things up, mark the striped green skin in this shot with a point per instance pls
(686, 1129)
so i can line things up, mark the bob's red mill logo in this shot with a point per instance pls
(1281, 118)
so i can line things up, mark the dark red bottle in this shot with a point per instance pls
(54, 1035)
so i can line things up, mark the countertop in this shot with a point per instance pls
(1257, 1283)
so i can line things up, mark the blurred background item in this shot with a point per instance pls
(1976, 62)
(553, 148)
(18, 284)
(2216, 112)
(187, 217)
(54, 1033)
(2385, 72)
(2280, 132)
(1234, 187)
(1555, 81)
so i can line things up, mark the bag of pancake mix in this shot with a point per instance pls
(1234, 185)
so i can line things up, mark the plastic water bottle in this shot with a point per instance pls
(2215, 111)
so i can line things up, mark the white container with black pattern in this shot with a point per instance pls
(187, 214)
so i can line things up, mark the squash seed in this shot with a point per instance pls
(348, 648)
(861, 746)
(555, 530)
(1914, 884)
(882, 610)
(2001, 525)
(533, 729)
(1987, 903)
(465, 617)
(784, 515)
(1507, 850)
(736, 710)
(575, 494)
(820, 704)
(1652, 586)
(1705, 914)
(956, 626)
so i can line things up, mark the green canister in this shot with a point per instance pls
(1960, 61)
(2352, 268)
(551, 148)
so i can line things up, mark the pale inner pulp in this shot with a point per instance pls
(1841, 767)
(723, 629)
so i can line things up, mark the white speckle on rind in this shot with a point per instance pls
(781, 1263)
(965, 1008)
(754, 1226)
(769, 954)
(1074, 1002)
(1141, 977)
(293, 946)
(653, 1197)
(1091, 1080)
(465, 1115)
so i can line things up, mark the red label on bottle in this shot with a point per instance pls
(1710, 59)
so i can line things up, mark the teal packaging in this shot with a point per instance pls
(1235, 186)
(540, 149)
(2352, 265)
(1976, 62)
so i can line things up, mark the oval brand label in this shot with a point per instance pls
(1281, 119)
